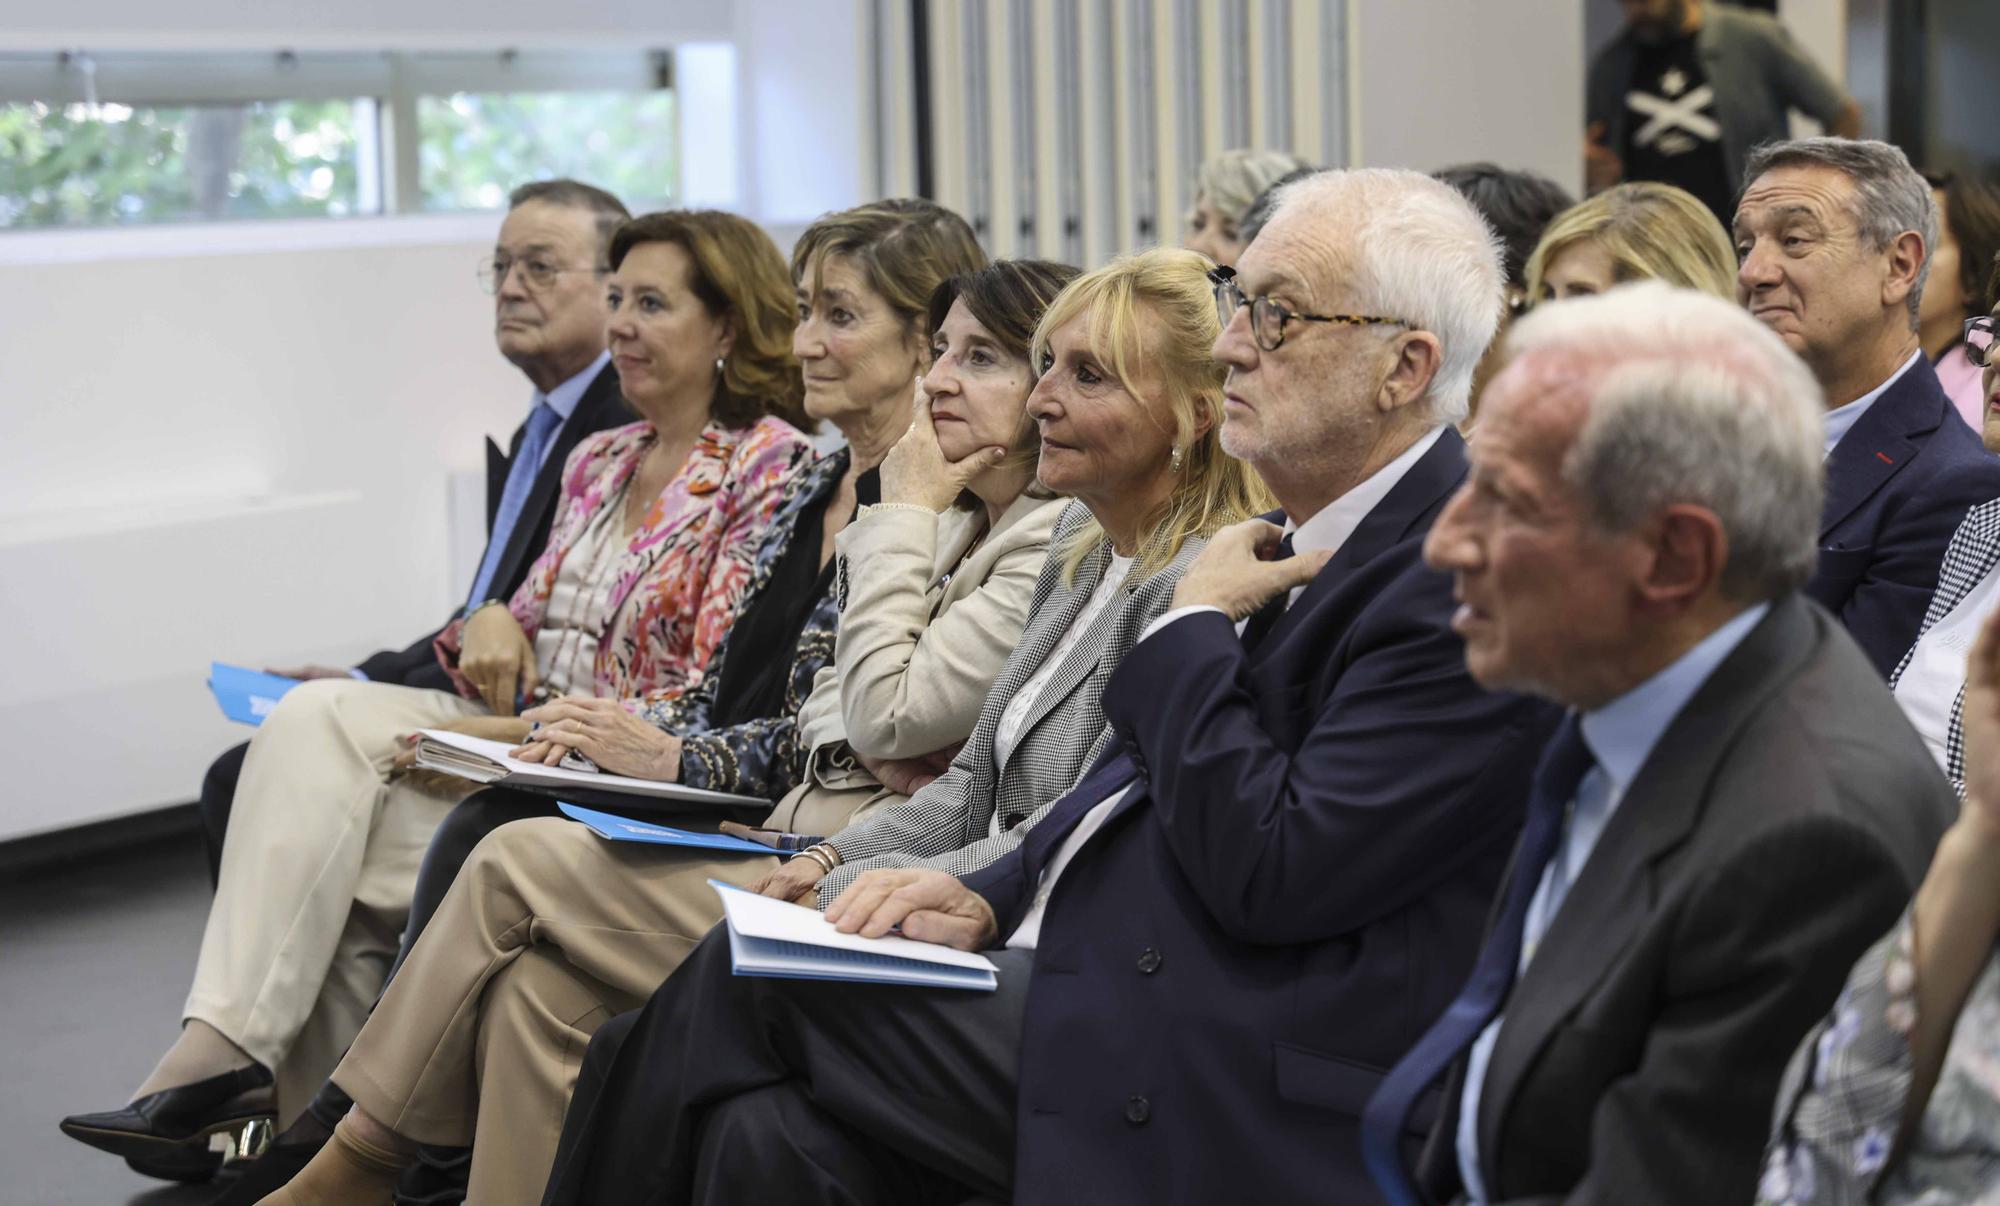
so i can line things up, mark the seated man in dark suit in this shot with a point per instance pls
(547, 277)
(1734, 809)
(1836, 237)
(1213, 947)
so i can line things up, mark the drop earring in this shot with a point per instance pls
(1174, 461)
(718, 366)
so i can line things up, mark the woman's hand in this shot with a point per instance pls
(498, 657)
(792, 879)
(604, 732)
(916, 472)
(908, 776)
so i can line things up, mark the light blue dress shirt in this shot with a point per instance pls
(1620, 736)
(563, 400)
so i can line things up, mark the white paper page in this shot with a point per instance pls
(779, 920)
(595, 780)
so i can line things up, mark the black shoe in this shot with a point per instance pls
(153, 1127)
(189, 1164)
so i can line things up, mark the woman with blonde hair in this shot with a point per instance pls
(1129, 405)
(1633, 232)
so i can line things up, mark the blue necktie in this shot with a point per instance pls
(1265, 618)
(541, 428)
(1565, 761)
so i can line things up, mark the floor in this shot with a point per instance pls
(95, 958)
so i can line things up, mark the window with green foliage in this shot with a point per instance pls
(97, 165)
(134, 139)
(477, 145)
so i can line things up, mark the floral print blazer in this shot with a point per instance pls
(1842, 1099)
(685, 568)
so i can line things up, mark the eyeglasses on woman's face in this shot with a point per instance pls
(1979, 341)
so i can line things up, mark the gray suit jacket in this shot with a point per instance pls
(1777, 829)
(946, 825)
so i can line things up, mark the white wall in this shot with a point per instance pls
(360, 24)
(1446, 81)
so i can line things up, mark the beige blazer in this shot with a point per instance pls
(924, 631)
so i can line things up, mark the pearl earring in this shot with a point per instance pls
(1174, 462)
(718, 366)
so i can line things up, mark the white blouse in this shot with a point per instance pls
(1930, 684)
(579, 605)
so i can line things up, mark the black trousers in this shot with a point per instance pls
(218, 793)
(729, 1089)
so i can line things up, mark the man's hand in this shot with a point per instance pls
(492, 728)
(606, 733)
(794, 879)
(908, 776)
(1236, 574)
(916, 471)
(307, 673)
(930, 906)
(1601, 166)
(498, 657)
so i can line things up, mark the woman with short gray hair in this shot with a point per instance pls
(1224, 191)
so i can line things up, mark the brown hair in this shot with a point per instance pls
(1972, 214)
(735, 271)
(906, 247)
(1007, 297)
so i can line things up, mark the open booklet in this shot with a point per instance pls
(613, 827)
(775, 938)
(484, 761)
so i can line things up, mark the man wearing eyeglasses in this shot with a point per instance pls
(546, 278)
(1236, 922)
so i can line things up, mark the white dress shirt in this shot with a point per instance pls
(1841, 418)
(1325, 531)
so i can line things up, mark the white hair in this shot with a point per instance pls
(1692, 401)
(1418, 251)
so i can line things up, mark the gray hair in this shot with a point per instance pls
(1891, 198)
(1418, 251)
(1233, 180)
(607, 211)
(1692, 401)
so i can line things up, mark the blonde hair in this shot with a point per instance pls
(1651, 231)
(1157, 307)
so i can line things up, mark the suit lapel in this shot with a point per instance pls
(1881, 442)
(1083, 655)
(1411, 502)
(497, 463)
(1660, 808)
(594, 411)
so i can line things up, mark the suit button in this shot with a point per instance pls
(1149, 961)
(1137, 1110)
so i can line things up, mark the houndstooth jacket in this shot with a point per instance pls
(945, 825)
(1972, 554)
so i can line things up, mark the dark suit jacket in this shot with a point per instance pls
(601, 406)
(1897, 486)
(1777, 829)
(1290, 892)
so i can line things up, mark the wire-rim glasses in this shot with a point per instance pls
(538, 274)
(1268, 318)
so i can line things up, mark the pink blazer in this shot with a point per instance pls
(684, 568)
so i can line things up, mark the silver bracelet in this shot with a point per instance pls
(816, 855)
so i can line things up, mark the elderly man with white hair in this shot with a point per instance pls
(1255, 900)
(1733, 809)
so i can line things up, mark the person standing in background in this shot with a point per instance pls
(1968, 247)
(1686, 89)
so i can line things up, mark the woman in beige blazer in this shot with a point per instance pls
(935, 584)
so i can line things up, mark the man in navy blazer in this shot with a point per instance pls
(549, 321)
(1216, 944)
(1835, 236)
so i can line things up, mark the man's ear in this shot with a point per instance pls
(1418, 356)
(1689, 548)
(1906, 258)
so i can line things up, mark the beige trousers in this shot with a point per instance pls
(548, 931)
(317, 873)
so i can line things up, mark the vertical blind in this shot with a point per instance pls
(1072, 129)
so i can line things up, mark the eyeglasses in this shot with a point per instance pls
(1268, 318)
(538, 273)
(1979, 341)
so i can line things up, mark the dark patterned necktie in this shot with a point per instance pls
(1265, 618)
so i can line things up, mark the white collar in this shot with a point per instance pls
(1336, 521)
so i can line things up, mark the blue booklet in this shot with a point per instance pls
(777, 938)
(246, 696)
(625, 829)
